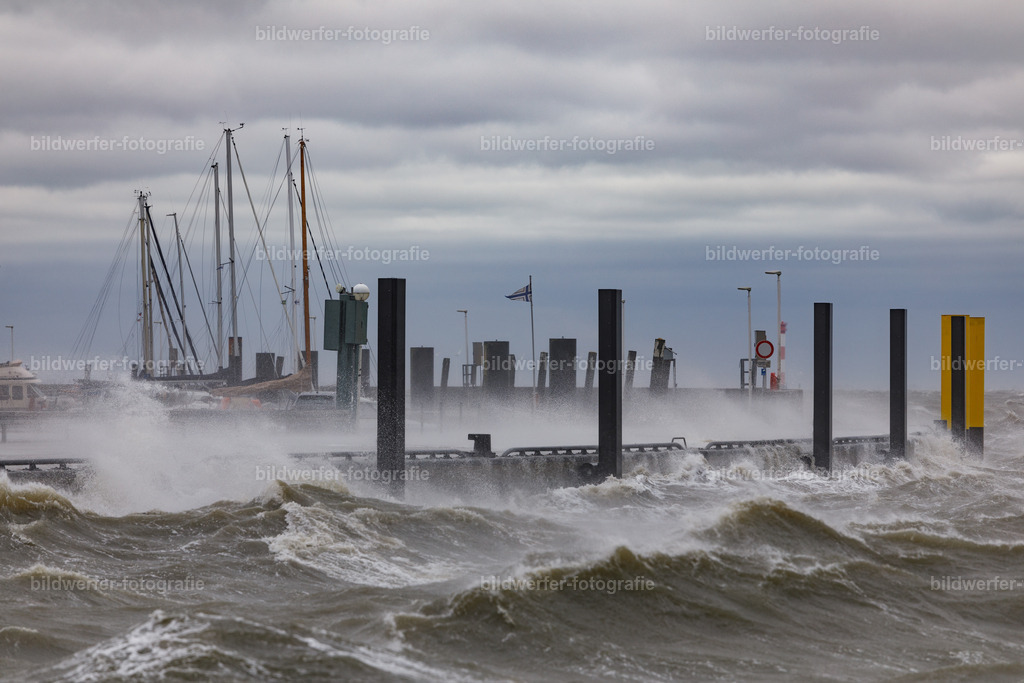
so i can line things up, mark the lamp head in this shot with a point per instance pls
(360, 292)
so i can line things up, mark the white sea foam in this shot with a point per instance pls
(347, 546)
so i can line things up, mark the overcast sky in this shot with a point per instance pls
(838, 127)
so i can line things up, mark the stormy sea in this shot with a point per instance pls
(199, 552)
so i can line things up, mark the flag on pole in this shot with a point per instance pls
(524, 294)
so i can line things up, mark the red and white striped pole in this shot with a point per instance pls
(782, 355)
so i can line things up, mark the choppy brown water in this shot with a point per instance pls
(185, 572)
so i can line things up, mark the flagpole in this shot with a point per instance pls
(533, 343)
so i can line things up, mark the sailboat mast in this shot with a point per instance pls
(142, 273)
(231, 241)
(181, 288)
(147, 300)
(151, 286)
(291, 232)
(305, 260)
(220, 287)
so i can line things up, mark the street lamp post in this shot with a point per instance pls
(11, 328)
(465, 359)
(750, 348)
(778, 321)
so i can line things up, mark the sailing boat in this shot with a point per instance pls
(163, 296)
(302, 380)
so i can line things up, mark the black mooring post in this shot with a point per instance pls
(822, 438)
(609, 387)
(588, 378)
(898, 382)
(446, 364)
(630, 369)
(391, 382)
(958, 378)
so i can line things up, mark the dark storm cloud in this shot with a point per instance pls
(747, 142)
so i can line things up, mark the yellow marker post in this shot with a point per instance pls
(975, 385)
(962, 380)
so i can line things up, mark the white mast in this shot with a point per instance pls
(181, 287)
(220, 289)
(293, 352)
(147, 294)
(231, 241)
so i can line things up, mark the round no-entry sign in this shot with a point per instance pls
(763, 354)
